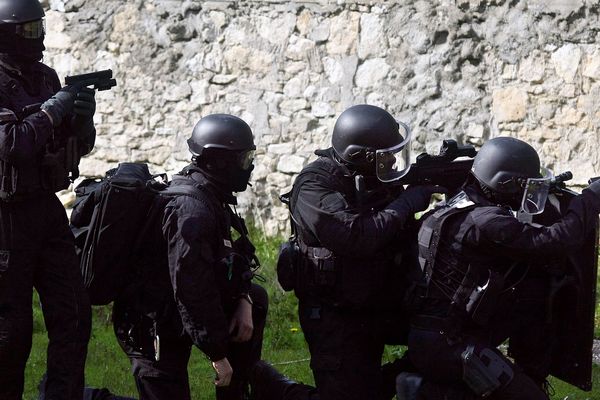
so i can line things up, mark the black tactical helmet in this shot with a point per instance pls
(22, 29)
(360, 131)
(20, 11)
(504, 164)
(223, 148)
(220, 131)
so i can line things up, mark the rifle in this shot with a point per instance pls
(442, 169)
(558, 182)
(100, 80)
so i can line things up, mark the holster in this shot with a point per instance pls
(485, 372)
(137, 333)
(322, 262)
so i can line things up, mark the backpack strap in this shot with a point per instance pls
(323, 166)
(431, 231)
(189, 190)
(196, 191)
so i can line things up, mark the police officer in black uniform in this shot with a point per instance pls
(354, 236)
(196, 286)
(44, 130)
(474, 251)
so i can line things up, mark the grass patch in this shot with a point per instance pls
(284, 345)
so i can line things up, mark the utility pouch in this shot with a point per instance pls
(141, 336)
(483, 301)
(485, 372)
(287, 264)
(323, 263)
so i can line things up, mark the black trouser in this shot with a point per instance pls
(438, 359)
(167, 379)
(36, 250)
(346, 350)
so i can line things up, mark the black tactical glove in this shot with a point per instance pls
(595, 187)
(85, 103)
(60, 105)
(594, 199)
(417, 198)
(82, 123)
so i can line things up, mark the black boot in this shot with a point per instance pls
(101, 394)
(268, 384)
(407, 386)
(389, 373)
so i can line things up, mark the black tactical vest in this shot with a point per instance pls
(465, 283)
(339, 280)
(20, 96)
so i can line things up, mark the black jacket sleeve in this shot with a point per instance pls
(22, 140)
(326, 214)
(189, 229)
(501, 233)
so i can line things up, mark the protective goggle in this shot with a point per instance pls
(32, 29)
(536, 193)
(245, 159)
(394, 162)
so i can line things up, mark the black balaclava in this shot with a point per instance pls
(21, 49)
(224, 170)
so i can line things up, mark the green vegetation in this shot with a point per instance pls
(107, 366)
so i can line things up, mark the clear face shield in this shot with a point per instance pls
(394, 162)
(536, 194)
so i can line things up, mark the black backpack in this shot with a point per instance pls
(110, 219)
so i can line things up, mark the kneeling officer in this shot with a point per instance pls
(355, 233)
(196, 287)
(475, 253)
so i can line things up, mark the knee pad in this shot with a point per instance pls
(485, 371)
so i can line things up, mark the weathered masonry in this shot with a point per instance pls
(466, 69)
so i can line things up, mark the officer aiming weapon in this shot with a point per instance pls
(101, 80)
(443, 169)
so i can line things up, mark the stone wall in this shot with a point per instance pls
(466, 69)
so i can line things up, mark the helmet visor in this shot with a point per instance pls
(536, 193)
(394, 162)
(31, 30)
(246, 159)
